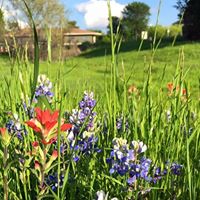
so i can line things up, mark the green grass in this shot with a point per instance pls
(175, 139)
(92, 67)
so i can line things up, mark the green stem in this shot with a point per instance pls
(5, 179)
(43, 170)
(58, 140)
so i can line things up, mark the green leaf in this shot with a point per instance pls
(36, 53)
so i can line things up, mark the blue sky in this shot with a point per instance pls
(82, 11)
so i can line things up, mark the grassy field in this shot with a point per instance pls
(143, 145)
(92, 67)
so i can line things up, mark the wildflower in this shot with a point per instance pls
(44, 88)
(35, 144)
(15, 127)
(119, 123)
(170, 87)
(5, 136)
(52, 181)
(54, 154)
(37, 165)
(133, 90)
(101, 195)
(82, 137)
(176, 168)
(184, 92)
(124, 159)
(85, 112)
(138, 146)
(46, 124)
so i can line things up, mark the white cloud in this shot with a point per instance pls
(96, 12)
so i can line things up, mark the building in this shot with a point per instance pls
(70, 41)
(76, 36)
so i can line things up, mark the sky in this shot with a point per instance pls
(93, 14)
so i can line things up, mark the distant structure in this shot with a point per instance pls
(78, 36)
(68, 41)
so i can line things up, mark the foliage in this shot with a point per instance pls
(135, 18)
(117, 26)
(2, 24)
(49, 13)
(181, 6)
(191, 20)
(13, 25)
(125, 142)
(163, 32)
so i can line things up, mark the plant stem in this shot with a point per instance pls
(5, 180)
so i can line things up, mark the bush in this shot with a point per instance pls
(165, 32)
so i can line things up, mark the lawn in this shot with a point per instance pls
(91, 68)
(61, 143)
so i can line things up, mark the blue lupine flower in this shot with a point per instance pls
(119, 123)
(176, 168)
(82, 137)
(171, 168)
(44, 87)
(15, 127)
(126, 159)
(123, 160)
(52, 181)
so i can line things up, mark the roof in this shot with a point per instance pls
(77, 31)
(27, 32)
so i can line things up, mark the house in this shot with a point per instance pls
(69, 41)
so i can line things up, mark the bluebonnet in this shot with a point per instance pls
(119, 123)
(176, 168)
(15, 127)
(82, 138)
(124, 159)
(44, 87)
(29, 110)
(169, 168)
(52, 181)
(85, 114)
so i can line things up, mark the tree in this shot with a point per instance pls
(181, 6)
(191, 19)
(13, 25)
(115, 24)
(72, 24)
(46, 14)
(2, 24)
(51, 12)
(135, 18)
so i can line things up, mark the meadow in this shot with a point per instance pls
(93, 67)
(133, 133)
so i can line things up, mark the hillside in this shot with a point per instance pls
(92, 67)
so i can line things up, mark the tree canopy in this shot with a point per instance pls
(191, 18)
(2, 24)
(135, 18)
(49, 13)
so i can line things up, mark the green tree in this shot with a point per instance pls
(191, 18)
(72, 24)
(2, 24)
(135, 18)
(181, 6)
(116, 25)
